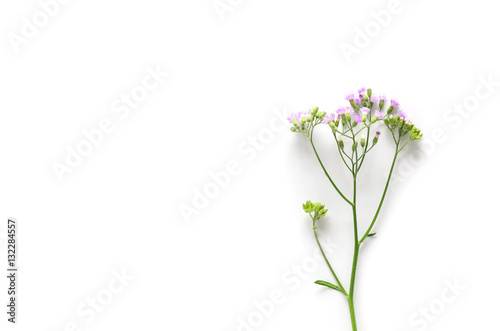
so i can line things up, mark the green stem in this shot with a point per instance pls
(353, 315)
(404, 145)
(328, 263)
(366, 148)
(355, 258)
(341, 151)
(383, 195)
(326, 172)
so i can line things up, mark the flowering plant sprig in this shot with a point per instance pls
(351, 127)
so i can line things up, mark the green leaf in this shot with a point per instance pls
(327, 284)
(372, 234)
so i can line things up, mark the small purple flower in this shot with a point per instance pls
(382, 97)
(379, 114)
(377, 134)
(402, 114)
(361, 91)
(357, 100)
(349, 96)
(343, 110)
(329, 118)
(358, 118)
(374, 99)
(394, 103)
(365, 110)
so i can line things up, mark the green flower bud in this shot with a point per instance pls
(302, 121)
(364, 117)
(369, 92)
(341, 143)
(293, 129)
(308, 206)
(393, 120)
(344, 119)
(381, 104)
(309, 118)
(375, 139)
(353, 104)
(355, 145)
(390, 109)
(363, 141)
(415, 134)
(374, 119)
(332, 125)
(406, 126)
(322, 212)
(295, 123)
(314, 111)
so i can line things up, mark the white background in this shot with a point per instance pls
(119, 209)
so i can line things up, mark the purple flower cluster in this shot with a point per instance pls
(356, 113)
(297, 116)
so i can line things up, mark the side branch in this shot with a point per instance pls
(326, 172)
(383, 195)
(329, 266)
